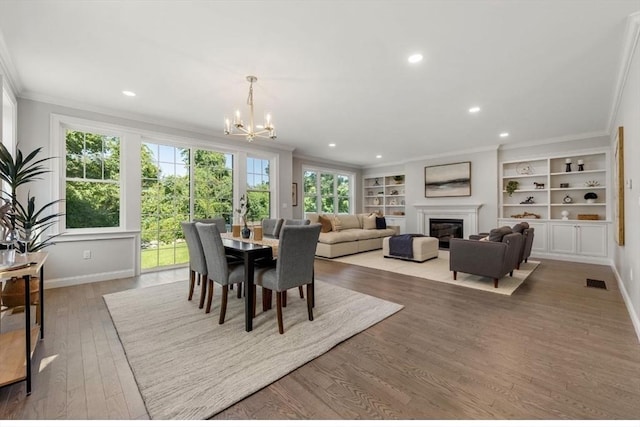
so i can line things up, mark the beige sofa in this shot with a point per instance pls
(352, 237)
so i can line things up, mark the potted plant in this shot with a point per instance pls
(590, 197)
(511, 187)
(23, 227)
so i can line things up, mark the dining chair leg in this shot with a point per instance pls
(209, 297)
(309, 300)
(255, 298)
(223, 304)
(265, 306)
(279, 310)
(192, 283)
(203, 292)
(284, 298)
(301, 292)
(239, 290)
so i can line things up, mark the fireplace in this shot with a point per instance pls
(444, 229)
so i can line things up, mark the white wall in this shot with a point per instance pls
(484, 176)
(116, 255)
(626, 258)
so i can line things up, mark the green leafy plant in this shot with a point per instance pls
(15, 172)
(511, 187)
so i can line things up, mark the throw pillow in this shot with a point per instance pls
(369, 222)
(381, 223)
(336, 225)
(484, 239)
(497, 234)
(326, 224)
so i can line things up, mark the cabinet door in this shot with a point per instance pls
(562, 238)
(592, 239)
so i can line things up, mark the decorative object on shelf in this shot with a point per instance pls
(402, 202)
(590, 197)
(567, 199)
(539, 185)
(618, 194)
(511, 187)
(588, 217)
(528, 201)
(267, 131)
(398, 179)
(526, 215)
(564, 185)
(393, 202)
(450, 180)
(565, 215)
(592, 184)
(398, 213)
(524, 169)
(580, 165)
(381, 192)
(567, 163)
(394, 192)
(377, 182)
(376, 201)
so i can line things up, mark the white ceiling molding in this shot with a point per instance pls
(8, 70)
(630, 41)
(565, 138)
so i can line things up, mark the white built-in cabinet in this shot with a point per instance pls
(550, 196)
(384, 194)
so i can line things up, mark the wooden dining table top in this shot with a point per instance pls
(273, 243)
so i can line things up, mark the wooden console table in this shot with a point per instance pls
(15, 349)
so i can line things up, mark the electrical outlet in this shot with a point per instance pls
(86, 254)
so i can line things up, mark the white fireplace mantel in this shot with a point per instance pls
(466, 212)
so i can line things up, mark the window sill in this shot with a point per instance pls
(96, 234)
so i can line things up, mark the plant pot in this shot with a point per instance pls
(13, 292)
(591, 201)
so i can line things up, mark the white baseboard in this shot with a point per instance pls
(572, 258)
(88, 278)
(627, 301)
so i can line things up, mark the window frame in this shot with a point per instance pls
(319, 171)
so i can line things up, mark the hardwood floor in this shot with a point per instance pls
(553, 350)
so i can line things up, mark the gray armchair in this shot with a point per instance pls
(485, 258)
(497, 235)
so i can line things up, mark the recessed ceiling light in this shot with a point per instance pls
(415, 58)
(333, 144)
(128, 93)
(378, 156)
(474, 109)
(504, 134)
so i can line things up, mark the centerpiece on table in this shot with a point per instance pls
(243, 210)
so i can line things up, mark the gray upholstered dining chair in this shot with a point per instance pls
(220, 270)
(294, 267)
(271, 227)
(197, 263)
(219, 221)
(297, 222)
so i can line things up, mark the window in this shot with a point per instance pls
(258, 189)
(92, 185)
(327, 192)
(213, 185)
(165, 204)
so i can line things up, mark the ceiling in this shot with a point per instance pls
(329, 71)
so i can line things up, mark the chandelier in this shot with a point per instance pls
(237, 128)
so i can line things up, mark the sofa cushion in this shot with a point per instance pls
(369, 222)
(497, 234)
(349, 221)
(326, 224)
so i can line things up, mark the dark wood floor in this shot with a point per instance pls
(553, 350)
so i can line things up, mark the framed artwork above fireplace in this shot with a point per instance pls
(450, 180)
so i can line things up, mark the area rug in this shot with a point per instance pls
(187, 366)
(438, 270)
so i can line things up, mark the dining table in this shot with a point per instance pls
(249, 250)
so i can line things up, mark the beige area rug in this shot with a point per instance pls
(189, 367)
(438, 269)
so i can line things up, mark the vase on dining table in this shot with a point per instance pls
(246, 232)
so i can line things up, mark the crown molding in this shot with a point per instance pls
(628, 49)
(554, 140)
(323, 161)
